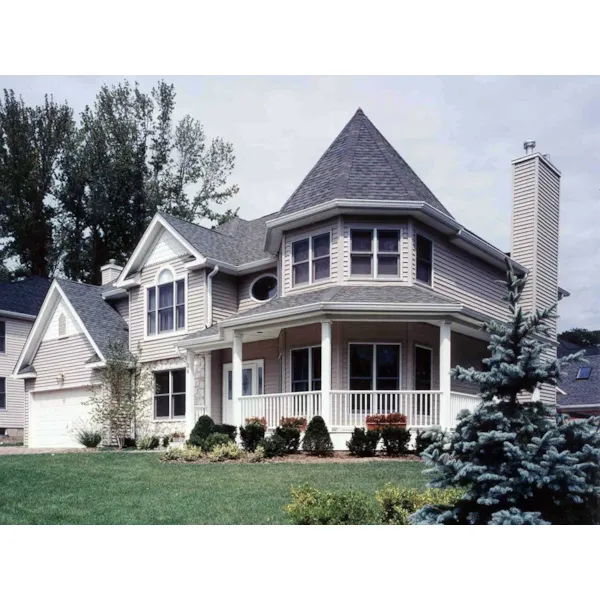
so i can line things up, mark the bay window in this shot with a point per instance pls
(169, 394)
(424, 259)
(375, 253)
(311, 259)
(166, 304)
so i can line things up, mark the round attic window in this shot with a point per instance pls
(264, 288)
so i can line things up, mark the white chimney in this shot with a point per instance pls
(110, 272)
(535, 229)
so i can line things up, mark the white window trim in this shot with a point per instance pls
(310, 260)
(3, 352)
(170, 418)
(427, 237)
(253, 364)
(175, 332)
(5, 395)
(424, 347)
(374, 254)
(274, 276)
(374, 373)
(310, 374)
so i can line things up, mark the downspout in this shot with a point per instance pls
(209, 298)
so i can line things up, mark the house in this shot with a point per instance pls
(578, 394)
(20, 302)
(355, 298)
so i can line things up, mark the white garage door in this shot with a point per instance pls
(55, 417)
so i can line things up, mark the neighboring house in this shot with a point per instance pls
(578, 394)
(20, 302)
(356, 298)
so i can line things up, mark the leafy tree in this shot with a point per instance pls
(32, 140)
(127, 161)
(120, 403)
(515, 461)
(584, 338)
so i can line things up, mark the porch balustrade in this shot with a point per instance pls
(349, 408)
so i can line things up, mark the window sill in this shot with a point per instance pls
(162, 336)
(169, 420)
(308, 286)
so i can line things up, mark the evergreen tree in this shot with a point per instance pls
(517, 461)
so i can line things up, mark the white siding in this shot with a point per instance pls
(245, 301)
(52, 330)
(122, 307)
(224, 296)
(16, 335)
(166, 248)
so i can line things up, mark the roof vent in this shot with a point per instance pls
(529, 145)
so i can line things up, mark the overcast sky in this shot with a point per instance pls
(459, 134)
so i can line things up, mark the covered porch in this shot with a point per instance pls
(342, 369)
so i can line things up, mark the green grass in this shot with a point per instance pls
(128, 488)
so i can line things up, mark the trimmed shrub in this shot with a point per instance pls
(252, 435)
(148, 442)
(395, 440)
(312, 507)
(129, 442)
(166, 440)
(291, 437)
(273, 446)
(397, 504)
(229, 451)
(214, 440)
(202, 429)
(89, 438)
(363, 443)
(186, 453)
(317, 440)
(228, 430)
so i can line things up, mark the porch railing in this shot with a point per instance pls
(199, 411)
(275, 406)
(351, 408)
(460, 402)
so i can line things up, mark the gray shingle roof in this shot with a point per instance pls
(360, 164)
(237, 242)
(101, 320)
(25, 296)
(580, 391)
(339, 294)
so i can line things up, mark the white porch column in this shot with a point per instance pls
(208, 384)
(326, 372)
(446, 419)
(236, 378)
(190, 378)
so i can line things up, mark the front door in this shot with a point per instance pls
(252, 384)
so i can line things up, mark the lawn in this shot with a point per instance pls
(131, 488)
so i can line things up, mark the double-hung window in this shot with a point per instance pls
(2, 393)
(424, 259)
(306, 369)
(2, 337)
(166, 304)
(311, 259)
(375, 253)
(169, 394)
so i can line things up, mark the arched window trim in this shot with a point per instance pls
(170, 317)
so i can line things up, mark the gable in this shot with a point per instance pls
(166, 248)
(53, 329)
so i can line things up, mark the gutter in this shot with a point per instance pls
(209, 296)
(17, 315)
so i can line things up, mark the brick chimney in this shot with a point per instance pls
(534, 232)
(110, 272)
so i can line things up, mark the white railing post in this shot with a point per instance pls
(326, 372)
(190, 403)
(236, 379)
(446, 419)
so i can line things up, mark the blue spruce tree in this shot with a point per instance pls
(519, 462)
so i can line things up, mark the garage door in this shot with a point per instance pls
(55, 417)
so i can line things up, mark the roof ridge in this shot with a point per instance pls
(59, 279)
(191, 223)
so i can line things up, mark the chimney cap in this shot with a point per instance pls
(112, 261)
(529, 146)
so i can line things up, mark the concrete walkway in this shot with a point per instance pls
(8, 450)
